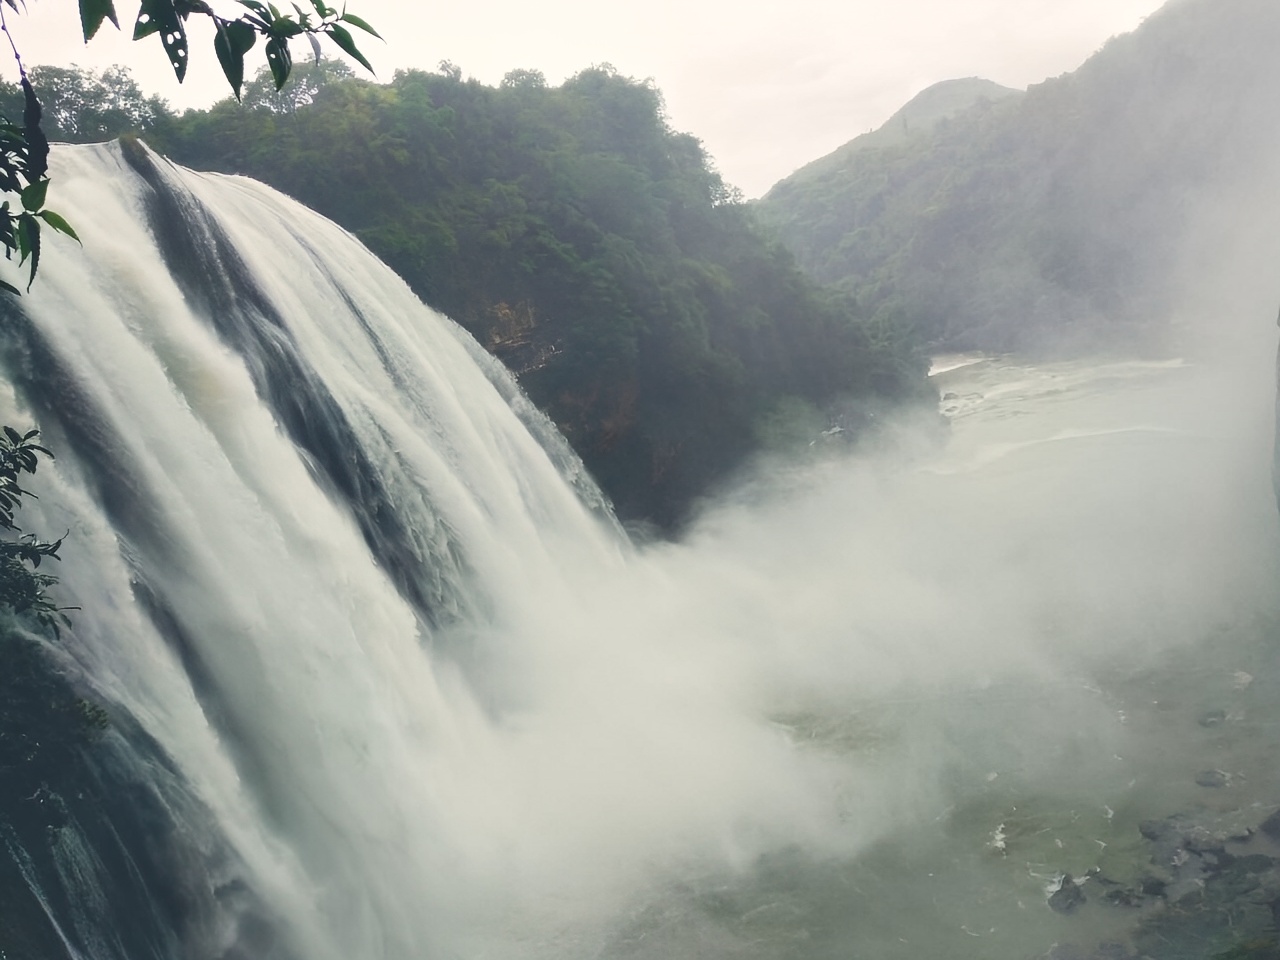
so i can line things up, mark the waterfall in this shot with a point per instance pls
(292, 493)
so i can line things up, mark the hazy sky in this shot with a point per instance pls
(767, 87)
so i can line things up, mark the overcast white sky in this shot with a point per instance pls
(766, 86)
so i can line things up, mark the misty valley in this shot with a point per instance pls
(480, 532)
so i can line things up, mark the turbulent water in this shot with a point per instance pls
(388, 682)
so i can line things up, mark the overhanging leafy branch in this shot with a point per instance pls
(23, 588)
(24, 148)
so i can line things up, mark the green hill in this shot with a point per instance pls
(915, 121)
(1062, 216)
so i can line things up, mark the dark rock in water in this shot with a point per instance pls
(1198, 834)
(1067, 898)
(1214, 718)
(1124, 897)
(1213, 778)
(1156, 830)
(1199, 839)
(1153, 886)
(1220, 895)
(1255, 863)
(1271, 826)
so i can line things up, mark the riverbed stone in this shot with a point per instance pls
(1068, 898)
(1271, 826)
(1213, 718)
(1214, 779)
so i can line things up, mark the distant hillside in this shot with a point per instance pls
(916, 120)
(1059, 216)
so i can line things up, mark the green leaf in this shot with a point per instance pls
(59, 224)
(151, 17)
(355, 21)
(24, 248)
(234, 39)
(187, 7)
(33, 195)
(37, 146)
(160, 16)
(263, 13)
(10, 287)
(284, 29)
(260, 22)
(29, 244)
(93, 12)
(342, 37)
(279, 60)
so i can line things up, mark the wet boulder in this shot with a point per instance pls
(1068, 898)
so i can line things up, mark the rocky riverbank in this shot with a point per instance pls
(1210, 891)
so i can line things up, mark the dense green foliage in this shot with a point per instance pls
(584, 242)
(24, 138)
(81, 106)
(43, 722)
(1069, 213)
(23, 587)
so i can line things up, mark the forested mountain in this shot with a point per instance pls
(577, 236)
(913, 122)
(1065, 215)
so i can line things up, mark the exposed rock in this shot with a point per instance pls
(1152, 886)
(1200, 839)
(1222, 892)
(1213, 778)
(1156, 830)
(1068, 897)
(1125, 897)
(1255, 863)
(1214, 718)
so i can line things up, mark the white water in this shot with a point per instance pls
(762, 742)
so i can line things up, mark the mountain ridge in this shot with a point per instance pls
(1065, 215)
(917, 117)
